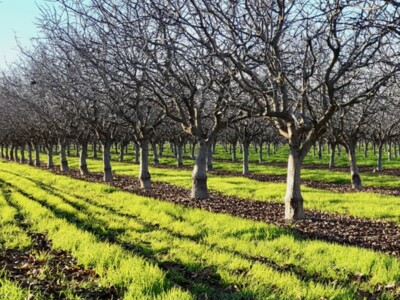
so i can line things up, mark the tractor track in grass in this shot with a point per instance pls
(207, 275)
(46, 270)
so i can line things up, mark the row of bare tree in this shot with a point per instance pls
(117, 69)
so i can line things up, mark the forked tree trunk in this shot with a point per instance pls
(50, 161)
(137, 153)
(210, 157)
(107, 175)
(83, 168)
(245, 147)
(155, 154)
(355, 177)
(22, 160)
(94, 150)
(293, 199)
(379, 160)
(199, 175)
(332, 156)
(179, 156)
(63, 158)
(234, 158)
(260, 154)
(37, 155)
(30, 157)
(144, 174)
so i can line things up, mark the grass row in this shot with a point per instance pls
(259, 260)
(359, 204)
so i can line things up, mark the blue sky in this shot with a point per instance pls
(17, 18)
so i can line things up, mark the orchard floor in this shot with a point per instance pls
(227, 247)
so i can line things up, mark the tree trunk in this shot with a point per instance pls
(389, 151)
(366, 150)
(144, 174)
(11, 155)
(137, 153)
(269, 150)
(7, 155)
(50, 161)
(155, 154)
(332, 156)
(319, 150)
(22, 160)
(94, 150)
(395, 150)
(77, 150)
(193, 155)
(63, 158)
(37, 155)
(245, 147)
(355, 177)
(179, 156)
(107, 176)
(260, 154)
(30, 159)
(160, 149)
(374, 147)
(379, 161)
(210, 157)
(2, 151)
(234, 158)
(69, 150)
(16, 157)
(339, 150)
(121, 153)
(82, 160)
(199, 175)
(293, 199)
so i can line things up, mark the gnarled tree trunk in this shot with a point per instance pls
(199, 175)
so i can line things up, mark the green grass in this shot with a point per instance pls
(359, 204)
(127, 238)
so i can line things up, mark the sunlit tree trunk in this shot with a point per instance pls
(379, 160)
(355, 177)
(293, 199)
(332, 156)
(245, 147)
(199, 175)
(144, 174)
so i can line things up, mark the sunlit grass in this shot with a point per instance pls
(77, 215)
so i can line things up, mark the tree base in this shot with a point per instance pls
(145, 183)
(356, 182)
(294, 209)
(199, 189)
